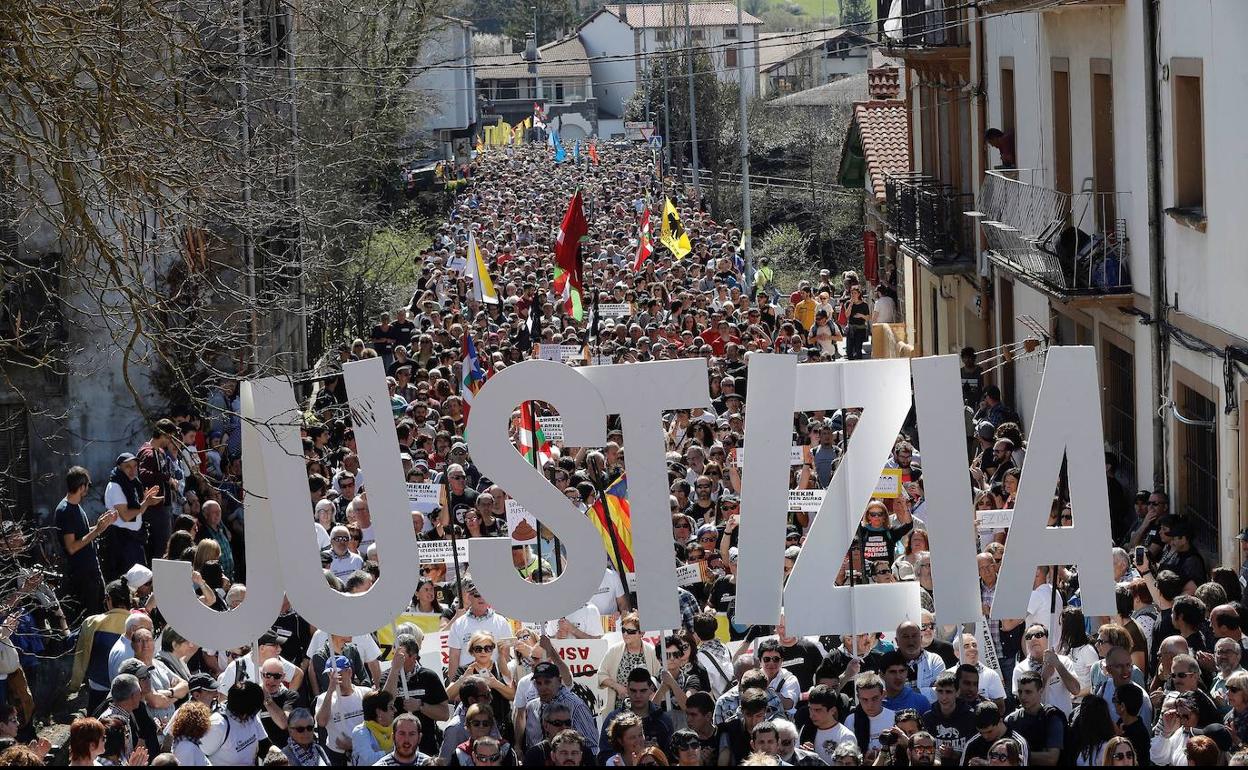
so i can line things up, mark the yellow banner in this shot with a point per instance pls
(673, 234)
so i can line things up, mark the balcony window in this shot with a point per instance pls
(730, 33)
(663, 35)
(697, 35)
(730, 57)
(1197, 447)
(926, 216)
(507, 89)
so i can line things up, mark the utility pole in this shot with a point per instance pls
(743, 108)
(693, 105)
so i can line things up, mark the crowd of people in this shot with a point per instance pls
(1159, 682)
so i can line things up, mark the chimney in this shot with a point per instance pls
(623, 6)
(883, 83)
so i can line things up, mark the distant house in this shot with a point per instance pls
(795, 61)
(561, 82)
(448, 114)
(620, 38)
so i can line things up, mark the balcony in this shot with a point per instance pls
(1073, 247)
(925, 217)
(1042, 6)
(924, 23)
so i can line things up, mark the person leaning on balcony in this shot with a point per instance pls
(1004, 142)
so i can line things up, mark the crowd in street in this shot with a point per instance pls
(456, 683)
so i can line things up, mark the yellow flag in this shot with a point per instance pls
(673, 234)
(503, 132)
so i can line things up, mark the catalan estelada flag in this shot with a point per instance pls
(614, 521)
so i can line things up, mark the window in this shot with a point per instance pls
(1007, 94)
(1062, 172)
(1197, 466)
(730, 33)
(1189, 140)
(663, 35)
(697, 35)
(507, 89)
(1103, 143)
(1118, 406)
(730, 57)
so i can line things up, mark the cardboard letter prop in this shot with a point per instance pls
(246, 622)
(947, 488)
(882, 388)
(765, 489)
(584, 424)
(1068, 418)
(310, 595)
(639, 393)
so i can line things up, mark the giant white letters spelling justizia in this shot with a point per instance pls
(1067, 420)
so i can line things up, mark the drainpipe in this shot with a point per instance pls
(979, 71)
(1157, 242)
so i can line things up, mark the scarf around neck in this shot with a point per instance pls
(383, 735)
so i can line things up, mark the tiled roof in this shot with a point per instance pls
(842, 91)
(884, 82)
(777, 47)
(652, 15)
(885, 132)
(562, 58)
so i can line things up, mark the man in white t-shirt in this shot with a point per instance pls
(585, 623)
(1057, 671)
(610, 598)
(1045, 605)
(479, 617)
(342, 562)
(825, 730)
(990, 685)
(870, 689)
(340, 709)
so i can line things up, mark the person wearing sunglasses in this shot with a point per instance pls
(1119, 752)
(1005, 753)
(488, 751)
(1055, 670)
(481, 725)
(483, 665)
(1179, 718)
(622, 657)
(556, 718)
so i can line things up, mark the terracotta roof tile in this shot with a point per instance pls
(885, 131)
(884, 82)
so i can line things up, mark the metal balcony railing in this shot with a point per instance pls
(926, 215)
(1068, 244)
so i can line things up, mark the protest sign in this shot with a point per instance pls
(614, 309)
(520, 523)
(560, 353)
(805, 500)
(439, 552)
(889, 485)
(552, 426)
(422, 495)
(689, 574)
(999, 518)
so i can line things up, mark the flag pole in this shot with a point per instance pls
(596, 480)
(528, 405)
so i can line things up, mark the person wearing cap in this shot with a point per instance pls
(1179, 556)
(550, 683)
(124, 543)
(203, 688)
(340, 709)
(155, 469)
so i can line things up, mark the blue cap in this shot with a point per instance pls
(339, 662)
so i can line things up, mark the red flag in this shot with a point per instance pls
(569, 279)
(593, 152)
(644, 246)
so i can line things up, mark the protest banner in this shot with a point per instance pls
(428, 622)
(689, 574)
(423, 496)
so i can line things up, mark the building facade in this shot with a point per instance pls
(790, 62)
(1109, 219)
(562, 83)
(620, 38)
